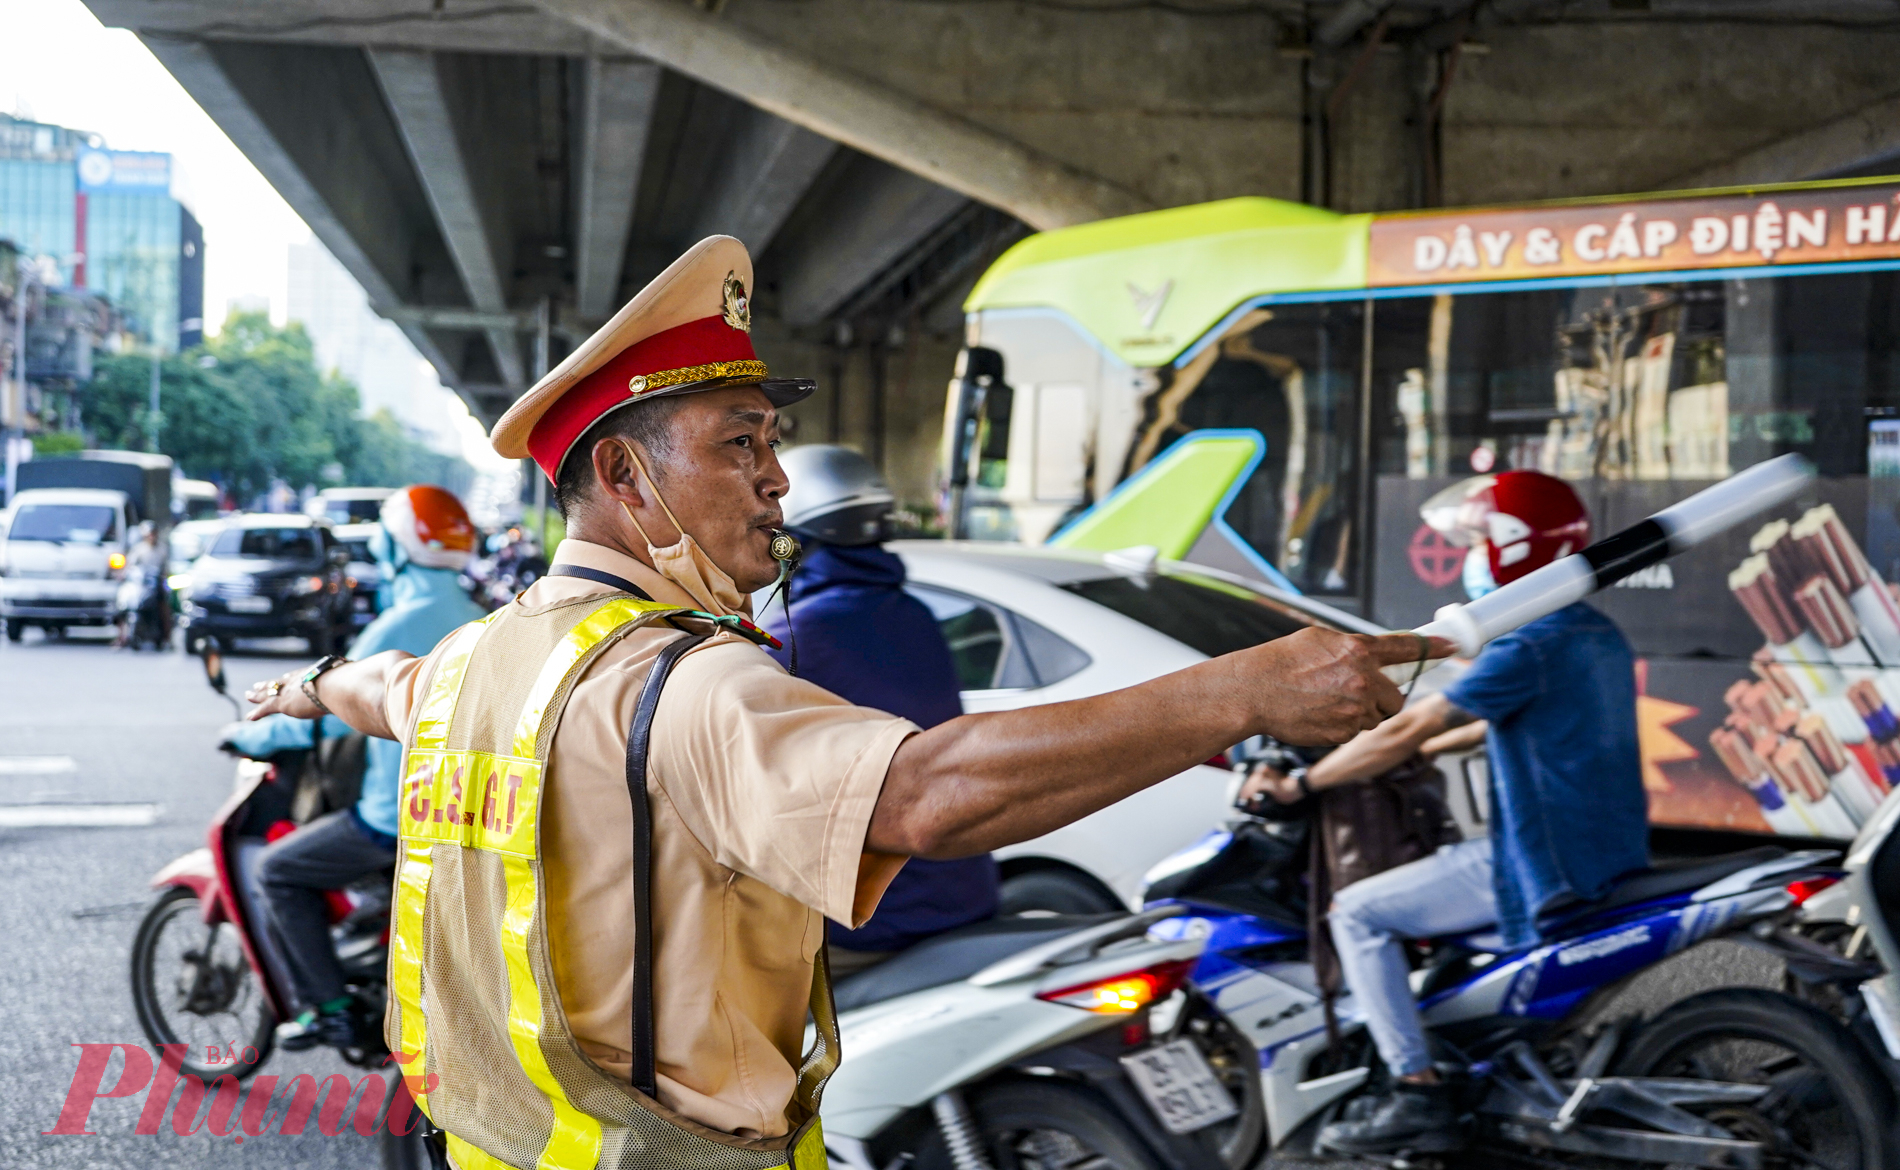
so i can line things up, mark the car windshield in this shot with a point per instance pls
(352, 511)
(1211, 616)
(277, 544)
(64, 523)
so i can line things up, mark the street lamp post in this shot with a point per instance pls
(152, 406)
(16, 430)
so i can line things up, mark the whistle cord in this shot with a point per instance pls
(784, 594)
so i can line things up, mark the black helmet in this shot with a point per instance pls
(836, 496)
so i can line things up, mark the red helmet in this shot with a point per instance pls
(1524, 519)
(431, 525)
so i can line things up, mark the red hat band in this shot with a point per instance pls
(697, 351)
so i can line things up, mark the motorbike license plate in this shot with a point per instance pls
(1178, 1085)
(248, 604)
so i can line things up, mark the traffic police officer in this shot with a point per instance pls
(609, 914)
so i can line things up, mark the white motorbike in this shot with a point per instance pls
(1046, 1042)
(1842, 944)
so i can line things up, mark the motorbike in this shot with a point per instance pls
(205, 970)
(1544, 1074)
(1842, 945)
(145, 609)
(1025, 1042)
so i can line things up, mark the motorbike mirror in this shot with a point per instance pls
(214, 665)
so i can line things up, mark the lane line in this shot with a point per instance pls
(36, 765)
(83, 816)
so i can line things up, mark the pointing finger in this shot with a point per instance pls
(1393, 649)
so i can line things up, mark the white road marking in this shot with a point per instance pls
(36, 765)
(41, 816)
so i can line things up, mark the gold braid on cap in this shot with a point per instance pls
(660, 379)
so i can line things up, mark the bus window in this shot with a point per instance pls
(1292, 374)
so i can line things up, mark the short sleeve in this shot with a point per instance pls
(402, 691)
(777, 776)
(1502, 681)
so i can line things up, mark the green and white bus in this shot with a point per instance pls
(1639, 347)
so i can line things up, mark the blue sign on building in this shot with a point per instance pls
(125, 171)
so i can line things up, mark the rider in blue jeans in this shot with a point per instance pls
(424, 541)
(1557, 701)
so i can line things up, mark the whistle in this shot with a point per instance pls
(784, 546)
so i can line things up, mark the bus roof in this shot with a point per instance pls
(1148, 286)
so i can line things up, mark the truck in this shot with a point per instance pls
(70, 537)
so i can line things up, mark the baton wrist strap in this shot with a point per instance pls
(638, 739)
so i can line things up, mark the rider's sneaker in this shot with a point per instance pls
(344, 1029)
(1420, 1118)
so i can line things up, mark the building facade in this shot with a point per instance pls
(109, 224)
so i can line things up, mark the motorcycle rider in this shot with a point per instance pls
(424, 540)
(143, 590)
(861, 637)
(1568, 811)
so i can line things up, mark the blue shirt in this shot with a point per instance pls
(1568, 811)
(429, 605)
(861, 637)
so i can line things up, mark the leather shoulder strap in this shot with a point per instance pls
(639, 736)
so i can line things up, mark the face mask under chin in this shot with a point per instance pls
(683, 562)
(1477, 577)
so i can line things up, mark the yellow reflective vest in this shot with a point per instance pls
(473, 1011)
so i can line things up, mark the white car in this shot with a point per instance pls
(1036, 625)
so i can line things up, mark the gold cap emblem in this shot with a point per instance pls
(738, 307)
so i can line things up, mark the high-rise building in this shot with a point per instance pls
(368, 350)
(109, 223)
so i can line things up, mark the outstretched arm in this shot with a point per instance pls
(1371, 753)
(353, 692)
(985, 781)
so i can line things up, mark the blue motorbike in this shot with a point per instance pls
(1548, 1073)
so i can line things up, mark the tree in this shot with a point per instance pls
(250, 406)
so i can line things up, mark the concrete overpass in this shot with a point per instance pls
(479, 163)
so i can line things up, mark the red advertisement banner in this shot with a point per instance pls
(1727, 231)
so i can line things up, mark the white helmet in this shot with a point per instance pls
(836, 496)
(430, 525)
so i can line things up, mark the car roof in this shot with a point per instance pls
(356, 493)
(275, 520)
(362, 531)
(1066, 566)
(67, 496)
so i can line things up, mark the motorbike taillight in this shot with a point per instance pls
(1124, 993)
(1804, 888)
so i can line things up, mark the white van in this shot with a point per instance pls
(63, 555)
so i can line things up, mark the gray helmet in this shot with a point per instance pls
(836, 496)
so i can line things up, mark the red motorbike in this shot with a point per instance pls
(206, 972)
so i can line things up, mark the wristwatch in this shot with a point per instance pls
(328, 662)
(1298, 776)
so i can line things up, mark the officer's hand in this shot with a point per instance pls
(1323, 687)
(281, 696)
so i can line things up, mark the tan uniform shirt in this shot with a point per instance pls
(761, 787)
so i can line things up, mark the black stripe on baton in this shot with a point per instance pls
(1631, 550)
